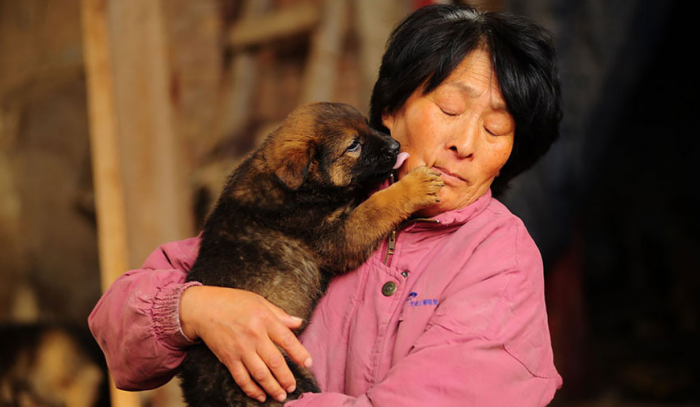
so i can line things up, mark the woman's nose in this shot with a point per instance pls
(464, 141)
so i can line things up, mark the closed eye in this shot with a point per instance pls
(449, 113)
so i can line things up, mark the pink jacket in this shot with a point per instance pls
(449, 312)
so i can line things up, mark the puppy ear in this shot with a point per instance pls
(291, 160)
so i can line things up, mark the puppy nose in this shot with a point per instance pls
(393, 147)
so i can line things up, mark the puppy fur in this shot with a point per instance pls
(294, 214)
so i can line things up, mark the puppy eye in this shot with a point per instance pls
(354, 147)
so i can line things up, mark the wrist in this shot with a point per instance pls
(187, 319)
(165, 312)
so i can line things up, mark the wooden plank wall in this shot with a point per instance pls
(140, 175)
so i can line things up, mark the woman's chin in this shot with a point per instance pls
(445, 204)
(449, 201)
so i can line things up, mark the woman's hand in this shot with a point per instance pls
(241, 328)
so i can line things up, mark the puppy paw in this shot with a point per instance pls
(422, 188)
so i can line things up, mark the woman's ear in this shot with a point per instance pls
(388, 121)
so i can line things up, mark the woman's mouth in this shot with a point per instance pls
(448, 177)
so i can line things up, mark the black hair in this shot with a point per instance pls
(430, 43)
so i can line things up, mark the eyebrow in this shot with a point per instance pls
(473, 93)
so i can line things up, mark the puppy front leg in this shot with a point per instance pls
(365, 227)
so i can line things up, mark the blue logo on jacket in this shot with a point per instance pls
(414, 301)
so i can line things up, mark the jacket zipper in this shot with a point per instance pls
(391, 245)
(391, 241)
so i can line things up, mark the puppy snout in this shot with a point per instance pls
(391, 149)
(394, 146)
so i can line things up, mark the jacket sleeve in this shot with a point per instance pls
(136, 322)
(486, 345)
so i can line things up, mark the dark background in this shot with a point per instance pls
(614, 207)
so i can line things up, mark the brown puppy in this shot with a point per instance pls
(292, 216)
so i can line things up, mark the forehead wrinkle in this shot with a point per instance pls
(471, 92)
(468, 66)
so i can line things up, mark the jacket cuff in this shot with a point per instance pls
(166, 316)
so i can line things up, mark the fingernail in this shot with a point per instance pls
(308, 362)
(291, 389)
(261, 399)
(281, 396)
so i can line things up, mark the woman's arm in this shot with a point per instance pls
(136, 322)
(148, 317)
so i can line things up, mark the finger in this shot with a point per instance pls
(278, 365)
(261, 374)
(290, 321)
(290, 343)
(245, 382)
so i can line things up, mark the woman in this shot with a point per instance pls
(450, 310)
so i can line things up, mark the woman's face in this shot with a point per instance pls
(461, 129)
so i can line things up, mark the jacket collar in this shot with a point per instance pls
(456, 217)
(453, 218)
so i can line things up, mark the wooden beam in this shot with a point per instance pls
(326, 48)
(109, 189)
(195, 28)
(279, 24)
(109, 184)
(135, 145)
(374, 20)
(239, 84)
(13, 259)
(141, 192)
